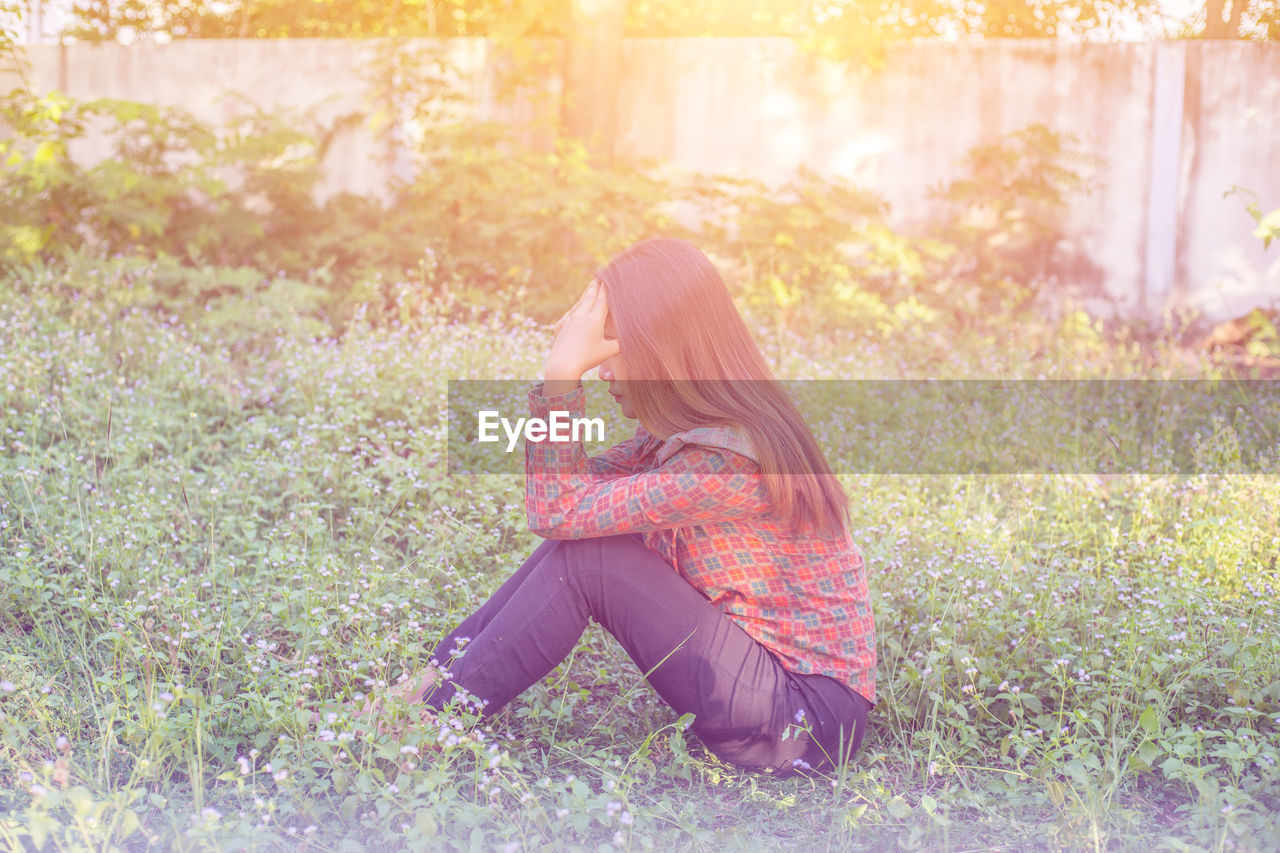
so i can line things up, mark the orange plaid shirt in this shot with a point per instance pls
(701, 503)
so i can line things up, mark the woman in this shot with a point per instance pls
(713, 545)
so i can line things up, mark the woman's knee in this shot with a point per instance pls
(601, 557)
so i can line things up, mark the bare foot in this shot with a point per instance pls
(410, 692)
(401, 705)
(394, 708)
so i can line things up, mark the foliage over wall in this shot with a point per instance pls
(494, 222)
(844, 28)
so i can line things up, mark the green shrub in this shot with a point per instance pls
(1006, 213)
(490, 220)
(502, 216)
(203, 537)
(171, 185)
(813, 252)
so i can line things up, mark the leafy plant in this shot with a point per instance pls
(213, 523)
(1268, 223)
(11, 14)
(489, 218)
(171, 185)
(813, 251)
(507, 217)
(1007, 212)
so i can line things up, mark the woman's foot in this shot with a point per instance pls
(410, 692)
(394, 708)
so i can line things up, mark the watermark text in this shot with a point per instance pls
(558, 427)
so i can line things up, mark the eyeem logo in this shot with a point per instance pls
(559, 427)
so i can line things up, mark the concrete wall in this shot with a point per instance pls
(1230, 136)
(320, 80)
(1169, 128)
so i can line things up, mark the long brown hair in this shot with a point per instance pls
(682, 337)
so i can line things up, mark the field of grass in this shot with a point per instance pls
(206, 532)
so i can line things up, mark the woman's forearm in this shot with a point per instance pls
(560, 379)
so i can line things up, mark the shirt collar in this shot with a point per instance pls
(725, 438)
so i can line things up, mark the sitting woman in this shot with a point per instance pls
(714, 544)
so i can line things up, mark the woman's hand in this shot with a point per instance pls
(579, 342)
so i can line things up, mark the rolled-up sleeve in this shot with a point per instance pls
(696, 485)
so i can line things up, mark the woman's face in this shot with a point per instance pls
(614, 371)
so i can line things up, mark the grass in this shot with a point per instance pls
(207, 531)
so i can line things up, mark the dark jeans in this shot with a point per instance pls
(695, 656)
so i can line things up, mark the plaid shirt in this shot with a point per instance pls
(701, 503)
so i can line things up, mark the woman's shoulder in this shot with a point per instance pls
(720, 437)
